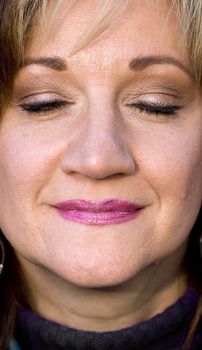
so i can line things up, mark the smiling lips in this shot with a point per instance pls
(105, 212)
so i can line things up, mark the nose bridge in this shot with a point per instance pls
(103, 139)
(99, 151)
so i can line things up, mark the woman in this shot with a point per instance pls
(100, 174)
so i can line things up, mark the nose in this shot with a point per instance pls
(99, 150)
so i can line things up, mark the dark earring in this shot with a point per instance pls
(201, 246)
(2, 252)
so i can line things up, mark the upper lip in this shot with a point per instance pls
(108, 205)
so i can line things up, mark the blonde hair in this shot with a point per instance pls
(190, 18)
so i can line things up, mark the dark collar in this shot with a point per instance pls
(165, 331)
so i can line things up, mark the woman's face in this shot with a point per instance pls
(118, 125)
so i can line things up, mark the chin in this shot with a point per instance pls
(100, 277)
(97, 282)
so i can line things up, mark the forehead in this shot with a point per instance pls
(144, 27)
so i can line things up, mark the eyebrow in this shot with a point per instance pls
(56, 63)
(141, 63)
(136, 64)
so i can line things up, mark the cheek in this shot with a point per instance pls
(26, 160)
(172, 164)
(27, 163)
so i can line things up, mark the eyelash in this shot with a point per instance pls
(156, 108)
(46, 107)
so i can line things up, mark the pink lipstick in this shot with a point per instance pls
(107, 212)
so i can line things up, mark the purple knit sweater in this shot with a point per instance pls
(165, 331)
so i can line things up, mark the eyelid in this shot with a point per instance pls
(33, 86)
(43, 97)
(151, 97)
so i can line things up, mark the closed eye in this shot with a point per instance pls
(43, 107)
(156, 108)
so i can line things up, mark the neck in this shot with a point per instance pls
(108, 308)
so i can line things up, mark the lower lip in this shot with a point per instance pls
(101, 218)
